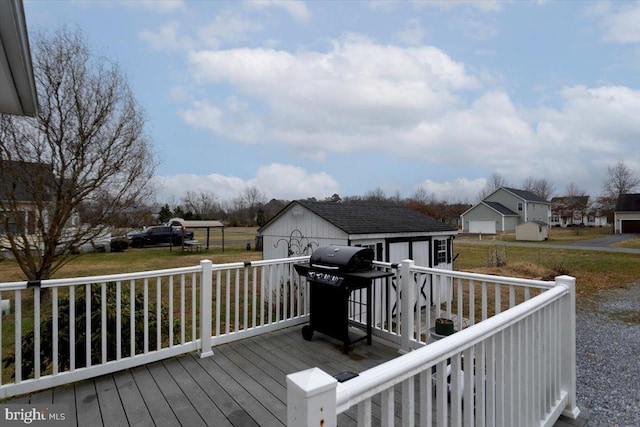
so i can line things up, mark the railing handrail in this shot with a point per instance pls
(369, 382)
(502, 280)
(52, 283)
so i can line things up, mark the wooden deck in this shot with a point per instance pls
(242, 384)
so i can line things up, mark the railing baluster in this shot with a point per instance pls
(387, 410)
(170, 284)
(254, 297)
(245, 308)
(262, 294)
(103, 321)
(18, 336)
(87, 316)
(460, 304)
(485, 314)
(498, 298)
(279, 292)
(441, 393)
(236, 322)
(364, 413)
(472, 300)
(145, 309)
(36, 332)
(408, 403)
(218, 301)
(118, 320)
(271, 286)
(72, 328)
(183, 319)
(456, 395)
(158, 313)
(194, 306)
(227, 284)
(132, 318)
(426, 399)
(512, 296)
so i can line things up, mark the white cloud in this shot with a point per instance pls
(224, 28)
(461, 190)
(622, 26)
(353, 97)
(274, 181)
(295, 8)
(293, 182)
(167, 37)
(413, 102)
(412, 35)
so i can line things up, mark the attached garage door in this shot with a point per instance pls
(487, 227)
(631, 226)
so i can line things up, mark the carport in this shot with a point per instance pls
(208, 225)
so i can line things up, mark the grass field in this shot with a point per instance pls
(593, 270)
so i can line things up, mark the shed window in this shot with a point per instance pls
(440, 252)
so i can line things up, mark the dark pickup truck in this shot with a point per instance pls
(159, 235)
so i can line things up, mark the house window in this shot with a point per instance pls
(519, 206)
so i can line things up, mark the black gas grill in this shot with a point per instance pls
(332, 273)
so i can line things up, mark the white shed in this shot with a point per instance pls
(394, 233)
(532, 231)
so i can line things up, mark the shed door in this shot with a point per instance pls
(488, 227)
(631, 226)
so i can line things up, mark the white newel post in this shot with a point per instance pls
(311, 399)
(407, 303)
(568, 331)
(206, 284)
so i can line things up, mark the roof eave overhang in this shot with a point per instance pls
(17, 84)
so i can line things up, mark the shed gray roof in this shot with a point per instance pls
(368, 219)
(628, 202)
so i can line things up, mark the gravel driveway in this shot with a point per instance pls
(608, 357)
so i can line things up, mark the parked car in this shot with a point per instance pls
(159, 235)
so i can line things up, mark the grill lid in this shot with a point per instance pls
(342, 259)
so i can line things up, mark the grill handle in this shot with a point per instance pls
(326, 267)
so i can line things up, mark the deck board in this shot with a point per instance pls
(242, 384)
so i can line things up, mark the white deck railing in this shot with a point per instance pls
(138, 318)
(519, 335)
(513, 359)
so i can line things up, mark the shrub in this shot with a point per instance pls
(64, 362)
(119, 244)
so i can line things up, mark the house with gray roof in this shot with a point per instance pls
(626, 216)
(393, 232)
(502, 211)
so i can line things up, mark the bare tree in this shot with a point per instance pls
(252, 198)
(86, 151)
(619, 180)
(202, 204)
(541, 187)
(494, 182)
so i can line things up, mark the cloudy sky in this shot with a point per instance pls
(308, 99)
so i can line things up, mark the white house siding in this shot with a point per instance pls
(621, 217)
